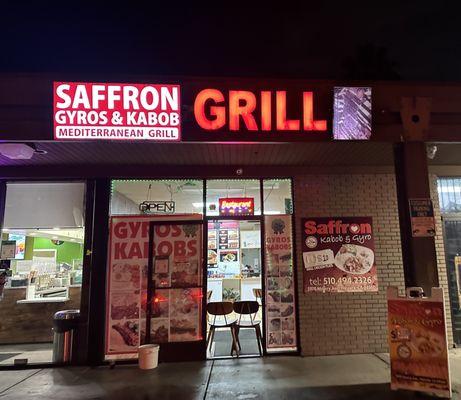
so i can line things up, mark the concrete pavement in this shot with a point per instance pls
(363, 376)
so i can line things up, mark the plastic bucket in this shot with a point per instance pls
(148, 356)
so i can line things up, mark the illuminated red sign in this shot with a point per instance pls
(116, 111)
(236, 206)
(253, 111)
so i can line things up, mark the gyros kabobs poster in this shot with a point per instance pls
(339, 254)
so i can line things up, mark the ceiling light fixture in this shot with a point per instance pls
(19, 151)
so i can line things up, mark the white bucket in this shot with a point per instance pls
(148, 356)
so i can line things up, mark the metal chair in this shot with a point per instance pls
(248, 308)
(221, 309)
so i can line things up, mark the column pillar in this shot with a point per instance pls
(412, 178)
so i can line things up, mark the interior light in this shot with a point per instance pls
(55, 238)
(6, 230)
(32, 234)
(17, 151)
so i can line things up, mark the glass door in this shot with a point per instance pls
(452, 239)
(234, 273)
(155, 287)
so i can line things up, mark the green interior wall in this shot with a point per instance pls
(65, 252)
(29, 248)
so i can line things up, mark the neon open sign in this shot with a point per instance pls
(236, 206)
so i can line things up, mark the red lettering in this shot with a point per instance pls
(134, 228)
(242, 105)
(180, 248)
(176, 230)
(217, 112)
(120, 230)
(135, 251)
(164, 249)
(145, 229)
(365, 228)
(162, 230)
(308, 114)
(284, 124)
(266, 111)
(309, 227)
(192, 247)
(120, 251)
(236, 109)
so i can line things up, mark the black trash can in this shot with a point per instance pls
(64, 325)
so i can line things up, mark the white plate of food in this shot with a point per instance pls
(354, 259)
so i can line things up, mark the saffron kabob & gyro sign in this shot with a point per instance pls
(338, 255)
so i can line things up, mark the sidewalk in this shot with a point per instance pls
(364, 376)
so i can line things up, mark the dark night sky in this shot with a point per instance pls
(311, 41)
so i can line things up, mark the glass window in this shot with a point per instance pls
(42, 257)
(174, 196)
(277, 196)
(232, 188)
(449, 194)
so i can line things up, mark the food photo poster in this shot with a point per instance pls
(280, 283)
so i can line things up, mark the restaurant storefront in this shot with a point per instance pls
(165, 198)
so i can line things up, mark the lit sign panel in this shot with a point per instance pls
(352, 113)
(265, 111)
(116, 111)
(236, 206)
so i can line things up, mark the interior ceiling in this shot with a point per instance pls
(303, 154)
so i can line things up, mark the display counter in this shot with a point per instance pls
(31, 321)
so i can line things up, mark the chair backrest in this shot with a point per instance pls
(258, 293)
(246, 307)
(208, 295)
(219, 308)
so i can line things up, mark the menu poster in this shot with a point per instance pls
(212, 239)
(418, 344)
(127, 263)
(338, 255)
(176, 310)
(422, 218)
(223, 238)
(280, 289)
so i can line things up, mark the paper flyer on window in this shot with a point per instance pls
(280, 284)
(176, 267)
